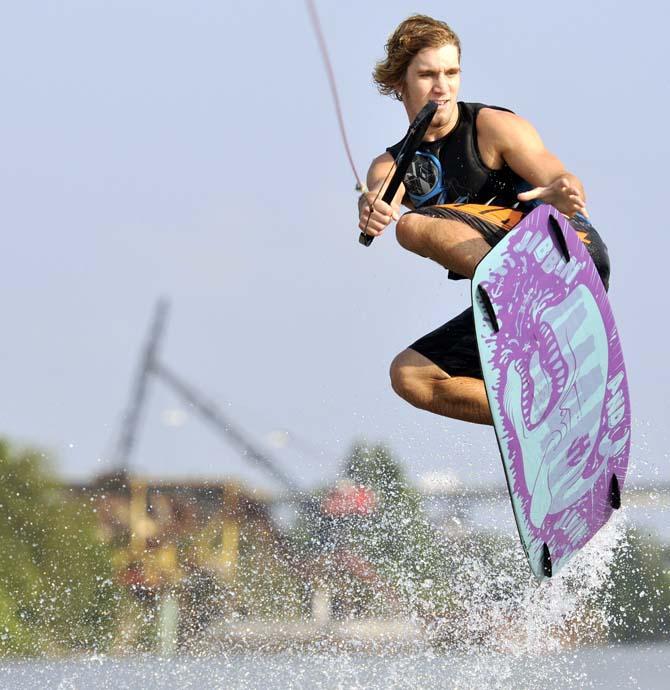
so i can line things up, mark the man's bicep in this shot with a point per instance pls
(525, 152)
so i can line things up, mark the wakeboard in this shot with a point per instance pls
(556, 384)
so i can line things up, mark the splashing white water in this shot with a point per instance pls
(506, 618)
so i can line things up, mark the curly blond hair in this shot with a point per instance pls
(412, 36)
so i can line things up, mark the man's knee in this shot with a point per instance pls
(408, 231)
(413, 377)
(402, 378)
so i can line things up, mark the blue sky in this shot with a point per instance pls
(191, 150)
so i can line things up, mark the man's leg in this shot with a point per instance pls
(423, 384)
(453, 244)
(415, 378)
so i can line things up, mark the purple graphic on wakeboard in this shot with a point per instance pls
(556, 383)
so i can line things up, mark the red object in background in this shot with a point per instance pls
(133, 576)
(349, 499)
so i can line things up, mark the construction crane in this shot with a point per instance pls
(151, 366)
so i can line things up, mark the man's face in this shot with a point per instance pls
(433, 75)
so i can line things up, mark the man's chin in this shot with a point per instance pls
(442, 117)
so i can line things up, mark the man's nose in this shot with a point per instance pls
(441, 83)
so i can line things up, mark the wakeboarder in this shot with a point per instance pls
(478, 172)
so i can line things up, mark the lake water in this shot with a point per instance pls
(603, 667)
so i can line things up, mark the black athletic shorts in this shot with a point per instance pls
(453, 346)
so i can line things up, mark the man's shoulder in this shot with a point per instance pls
(501, 123)
(495, 116)
(384, 158)
(381, 162)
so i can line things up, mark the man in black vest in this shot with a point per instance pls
(478, 172)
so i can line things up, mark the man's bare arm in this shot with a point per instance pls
(521, 147)
(373, 221)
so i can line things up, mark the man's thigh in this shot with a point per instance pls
(452, 347)
(468, 231)
(451, 242)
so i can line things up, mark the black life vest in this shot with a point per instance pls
(450, 169)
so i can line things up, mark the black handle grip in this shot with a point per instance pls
(413, 139)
